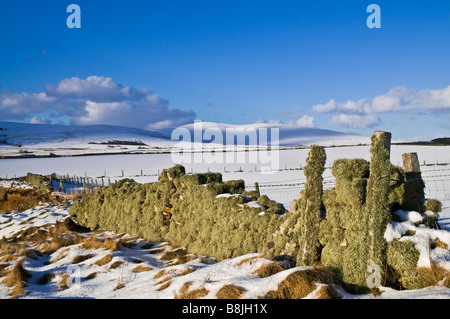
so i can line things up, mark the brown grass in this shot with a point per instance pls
(59, 236)
(141, 268)
(119, 286)
(446, 281)
(80, 258)
(62, 284)
(433, 275)
(8, 258)
(246, 260)
(298, 285)
(326, 292)
(185, 271)
(177, 253)
(17, 279)
(185, 287)
(105, 260)
(116, 264)
(159, 274)
(165, 285)
(230, 292)
(17, 199)
(91, 275)
(193, 294)
(167, 278)
(92, 242)
(269, 269)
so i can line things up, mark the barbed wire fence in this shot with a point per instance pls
(435, 176)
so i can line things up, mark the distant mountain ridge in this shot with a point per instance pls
(23, 133)
(289, 135)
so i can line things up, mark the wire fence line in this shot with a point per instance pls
(285, 191)
(435, 176)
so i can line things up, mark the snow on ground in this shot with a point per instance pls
(91, 279)
(165, 279)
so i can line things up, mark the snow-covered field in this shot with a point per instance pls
(139, 270)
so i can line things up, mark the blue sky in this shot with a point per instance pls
(159, 64)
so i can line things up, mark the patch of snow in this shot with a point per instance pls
(412, 216)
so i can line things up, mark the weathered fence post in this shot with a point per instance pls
(411, 166)
(257, 188)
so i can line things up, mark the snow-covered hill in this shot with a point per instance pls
(44, 139)
(289, 134)
(20, 139)
(22, 133)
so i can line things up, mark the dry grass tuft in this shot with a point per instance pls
(91, 275)
(105, 260)
(80, 258)
(269, 269)
(112, 245)
(185, 287)
(326, 292)
(16, 199)
(433, 275)
(8, 258)
(92, 242)
(183, 259)
(167, 278)
(119, 286)
(230, 292)
(116, 264)
(141, 268)
(246, 260)
(193, 294)
(62, 284)
(446, 281)
(159, 274)
(57, 237)
(298, 285)
(17, 279)
(185, 271)
(165, 285)
(177, 253)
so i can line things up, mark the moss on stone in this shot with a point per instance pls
(184, 210)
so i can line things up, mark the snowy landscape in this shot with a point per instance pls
(102, 264)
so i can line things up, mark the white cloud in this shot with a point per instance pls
(364, 113)
(330, 106)
(95, 88)
(306, 121)
(355, 121)
(94, 100)
(17, 106)
(396, 99)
